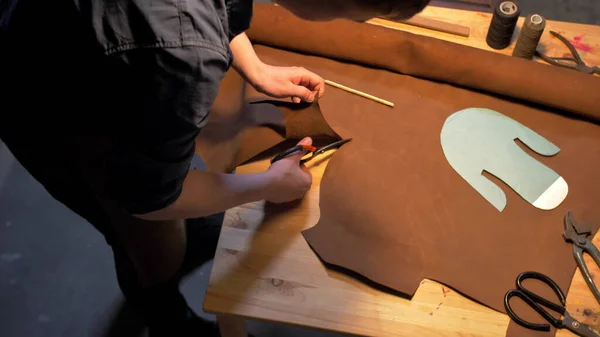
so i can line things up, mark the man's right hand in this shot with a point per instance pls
(289, 179)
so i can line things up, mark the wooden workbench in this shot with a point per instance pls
(586, 38)
(264, 269)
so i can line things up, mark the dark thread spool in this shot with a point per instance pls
(503, 25)
(530, 36)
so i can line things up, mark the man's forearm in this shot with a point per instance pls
(245, 60)
(207, 193)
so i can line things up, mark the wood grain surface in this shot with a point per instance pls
(264, 269)
(586, 38)
(438, 25)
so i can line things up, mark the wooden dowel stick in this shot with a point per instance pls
(438, 25)
(359, 93)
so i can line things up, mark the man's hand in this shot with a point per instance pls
(295, 82)
(289, 179)
(279, 82)
(206, 193)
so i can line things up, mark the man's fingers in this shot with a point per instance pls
(321, 89)
(306, 141)
(314, 95)
(311, 81)
(317, 84)
(301, 92)
(308, 78)
(298, 156)
(310, 99)
(306, 170)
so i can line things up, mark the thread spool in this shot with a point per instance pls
(503, 25)
(530, 35)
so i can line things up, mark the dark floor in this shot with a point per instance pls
(56, 272)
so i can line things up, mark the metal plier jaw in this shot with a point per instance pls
(575, 62)
(578, 234)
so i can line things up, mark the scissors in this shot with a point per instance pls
(536, 302)
(578, 234)
(575, 62)
(309, 149)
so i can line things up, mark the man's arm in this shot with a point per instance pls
(245, 60)
(280, 82)
(170, 93)
(206, 193)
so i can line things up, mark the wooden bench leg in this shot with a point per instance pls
(232, 326)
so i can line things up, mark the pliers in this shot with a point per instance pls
(578, 234)
(309, 149)
(575, 62)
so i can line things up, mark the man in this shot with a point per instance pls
(102, 103)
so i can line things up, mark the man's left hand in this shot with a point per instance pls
(295, 82)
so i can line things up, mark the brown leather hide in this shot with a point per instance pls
(413, 216)
(428, 58)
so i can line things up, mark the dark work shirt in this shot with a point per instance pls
(140, 75)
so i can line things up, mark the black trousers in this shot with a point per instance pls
(50, 124)
(162, 305)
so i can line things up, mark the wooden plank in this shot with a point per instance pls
(469, 5)
(477, 2)
(264, 269)
(438, 25)
(581, 303)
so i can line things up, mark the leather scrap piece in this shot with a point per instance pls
(243, 124)
(237, 131)
(302, 119)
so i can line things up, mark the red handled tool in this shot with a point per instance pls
(309, 149)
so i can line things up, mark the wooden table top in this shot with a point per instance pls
(585, 38)
(264, 269)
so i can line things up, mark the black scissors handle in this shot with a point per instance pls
(309, 149)
(326, 148)
(534, 301)
(291, 151)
